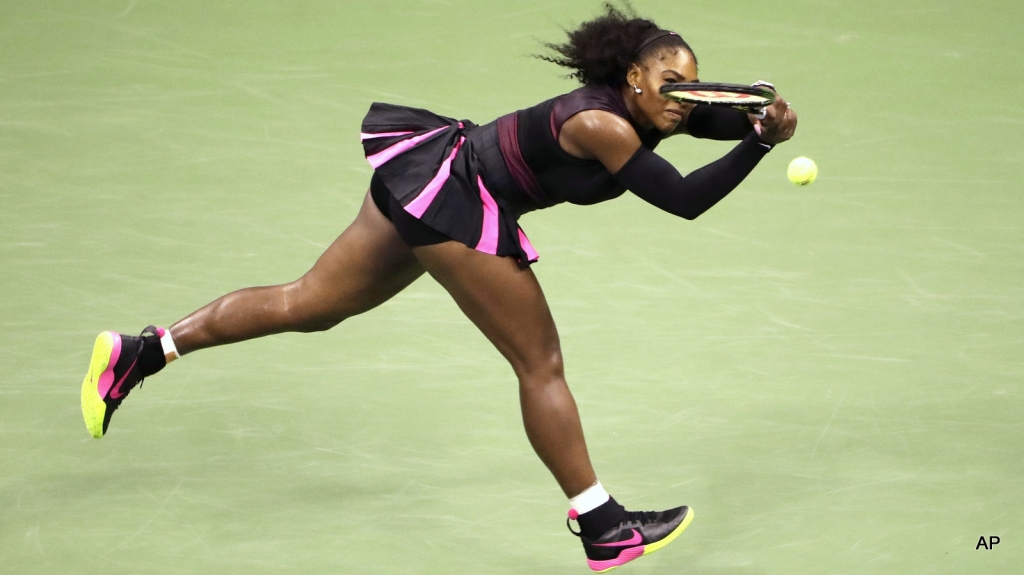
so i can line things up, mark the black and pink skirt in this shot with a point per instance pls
(449, 174)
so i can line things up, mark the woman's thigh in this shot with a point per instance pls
(504, 300)
(364, 267)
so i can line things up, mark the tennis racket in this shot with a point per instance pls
(750, 99)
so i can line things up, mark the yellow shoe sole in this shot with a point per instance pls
(675, 533)
(94, 409)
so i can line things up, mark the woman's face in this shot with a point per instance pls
(649, 107)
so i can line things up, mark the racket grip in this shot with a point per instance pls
(763, 112)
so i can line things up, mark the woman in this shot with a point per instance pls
(445, 199)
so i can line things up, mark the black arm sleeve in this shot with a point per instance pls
(715, 123)
(657, 182)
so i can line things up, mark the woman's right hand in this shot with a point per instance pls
(778, 124)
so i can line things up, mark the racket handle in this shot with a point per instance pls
(763, 112)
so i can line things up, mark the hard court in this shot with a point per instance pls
(831, 375)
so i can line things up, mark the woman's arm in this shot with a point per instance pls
(658, 183)
(606, 137)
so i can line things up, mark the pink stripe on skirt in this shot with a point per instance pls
(531, 254)
(418, 206)
(489, 237)
(378, 159)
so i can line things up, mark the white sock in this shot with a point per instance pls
(591, 498)
(167, 342)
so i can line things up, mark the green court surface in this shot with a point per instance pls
(831, 376)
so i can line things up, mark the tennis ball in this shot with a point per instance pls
(802, 171)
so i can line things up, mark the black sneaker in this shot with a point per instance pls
(642, 532)
(119, 362)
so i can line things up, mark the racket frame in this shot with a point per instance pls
(679, 91)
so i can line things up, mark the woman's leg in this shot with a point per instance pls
(367, 265)
(507, 304)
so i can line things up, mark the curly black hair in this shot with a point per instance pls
(601, 51)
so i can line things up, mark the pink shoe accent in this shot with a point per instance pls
(636, 539)
(107, 377)
(363, 136)
(116, 392)
(573, 514)
(418, 206)
(531, 254)
(489, 236)
(160, 332)
(380, 158)
(626, 556)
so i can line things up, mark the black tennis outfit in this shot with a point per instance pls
(438, 178)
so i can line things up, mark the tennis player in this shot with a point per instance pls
(445, 198)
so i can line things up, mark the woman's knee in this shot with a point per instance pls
(317, 324)
(540, 369)
(307, 310)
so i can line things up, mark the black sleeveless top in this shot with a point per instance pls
(471, 183)
(546, 173)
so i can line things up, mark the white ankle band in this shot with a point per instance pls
(591, 498)
(167, 342)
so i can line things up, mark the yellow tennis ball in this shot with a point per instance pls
(802, 171)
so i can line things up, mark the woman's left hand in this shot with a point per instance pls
(778, 124)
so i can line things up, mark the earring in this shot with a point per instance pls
(637, 90)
